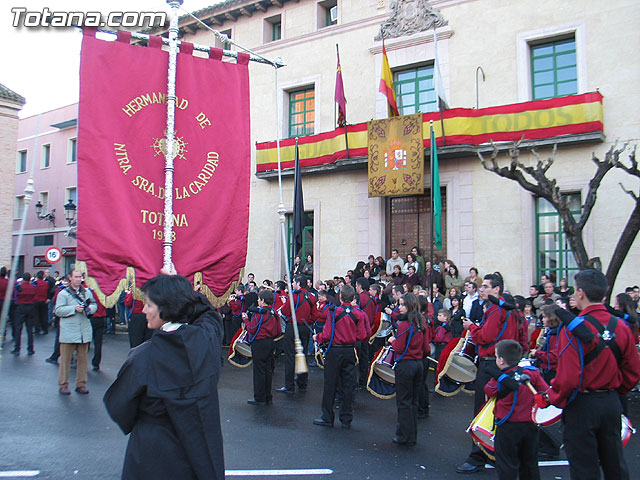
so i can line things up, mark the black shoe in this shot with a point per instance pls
(397, 441)
(548, 456)
(251, 401)
(302, 388)
(15, 351)
(96, 368)
(423, 415)
(285, 390)
(31, 352)
(51, 360)
(322, 422)
(467, 467)
(346, 425)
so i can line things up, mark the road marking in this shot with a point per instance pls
(19, 473)
(545, 463)
(273, 473)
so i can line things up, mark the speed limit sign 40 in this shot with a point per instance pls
(53, 255)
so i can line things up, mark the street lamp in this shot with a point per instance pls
(51, 216)
(70, 216)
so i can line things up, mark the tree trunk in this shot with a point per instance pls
(627, 237)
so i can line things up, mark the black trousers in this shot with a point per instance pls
(516, 447)
(363, 362)
(25, 315)
(97, 325)
(56, 343)
(477, 457)
(592, 436)
(408, 381)
(423, 392)
(262, 352)
(138, 331)
(41, 313)
(290, 379)
(339, 367)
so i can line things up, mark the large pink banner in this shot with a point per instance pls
(121, 146)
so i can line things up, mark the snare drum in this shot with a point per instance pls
(482, 428)
(383, 367)
(546, 416)
(242, 346)
(626, 430)
(460, 366)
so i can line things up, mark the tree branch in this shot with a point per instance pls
(629, 192)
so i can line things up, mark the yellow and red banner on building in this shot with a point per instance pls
(396, 156)
(555, 117)
(121, 163)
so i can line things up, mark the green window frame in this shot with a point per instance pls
(415, 90)
(554, 69)
(553, 253)
(277, 31)
(301, 112)
(307, 237)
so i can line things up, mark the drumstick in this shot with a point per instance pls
(533, 390)
(433, 360)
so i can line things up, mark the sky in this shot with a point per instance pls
(42, 63)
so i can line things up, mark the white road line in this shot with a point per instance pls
(545, 463)
(19, 473)
(273, 473)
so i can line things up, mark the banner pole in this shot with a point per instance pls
(432, 233)
(171, 109)
(300, 358)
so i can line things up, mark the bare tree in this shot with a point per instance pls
(535, 180)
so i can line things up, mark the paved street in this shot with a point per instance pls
(73, 437)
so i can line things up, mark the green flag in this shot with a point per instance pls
(435, 188)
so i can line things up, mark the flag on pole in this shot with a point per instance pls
(339, 95)
(439, 87)
(435, 188)
(298, 209)
(386, 84)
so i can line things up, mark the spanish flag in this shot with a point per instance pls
(386, 84)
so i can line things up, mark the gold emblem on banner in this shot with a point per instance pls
(159, 146)
(396, 156)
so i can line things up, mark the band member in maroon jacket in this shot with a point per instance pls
(368, 306)
(25, 313)
(40, 304)
(304, 304)
(497, 324)
(238, 308)
(597, 361)
(98, 323)
(263, 327)
(138, 331)
(411, 344)
(516, 438)
(345, 325)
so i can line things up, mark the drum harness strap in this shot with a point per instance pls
(262, 312)
(547, 346)
(396, 360)
(345, 311)
(324, 309)
(504, 327)
(606, 339)
(517, 374)
(242, 308)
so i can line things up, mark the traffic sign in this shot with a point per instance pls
(53, 254)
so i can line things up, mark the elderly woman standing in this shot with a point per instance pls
(166, 393)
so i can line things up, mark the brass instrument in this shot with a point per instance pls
(232, 297)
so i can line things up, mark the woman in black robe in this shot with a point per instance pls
(166, 393)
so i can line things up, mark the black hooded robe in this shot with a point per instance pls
(166, 397)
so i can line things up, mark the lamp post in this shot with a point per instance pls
(51, 216)
(70, 216)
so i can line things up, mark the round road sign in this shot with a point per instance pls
(53, 255)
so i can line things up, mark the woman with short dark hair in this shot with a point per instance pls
(166, 393)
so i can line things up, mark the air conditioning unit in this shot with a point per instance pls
(333, 14)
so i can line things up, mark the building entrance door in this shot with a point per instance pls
(409, 224)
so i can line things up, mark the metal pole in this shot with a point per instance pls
(431, 236)
(300, 359)
(171, 109)
(479, 69)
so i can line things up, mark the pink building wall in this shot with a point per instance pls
(54, 128)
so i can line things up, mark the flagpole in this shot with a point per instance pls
(346, 138)
(171, 109)
(438, 80)
(432, 239)
(300, 358)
